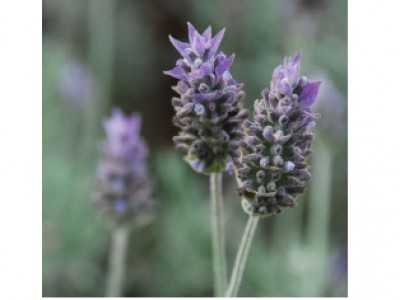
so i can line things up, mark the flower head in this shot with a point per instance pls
(208, 111)
(123, 186)
(272, 169)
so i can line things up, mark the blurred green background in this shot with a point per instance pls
(98, 54)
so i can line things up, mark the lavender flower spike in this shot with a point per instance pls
(273, 166)
(209, 111)
(122, 185)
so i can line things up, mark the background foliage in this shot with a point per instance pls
(98, 54)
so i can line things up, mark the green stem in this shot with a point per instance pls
(218, 235)
(319, 212)
(319, 202)
(101, 40)
(241, 257)
(116, 272)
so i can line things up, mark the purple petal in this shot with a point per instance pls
(198, 44)
(177, 72)
(297, 57)
(205, 70)
(134, 123)
(293, 70)
(192, 32)
(232, 81)
(200, 97)
(309, 93)
(114, 123)
(227, 77)
(224, 64)
(207, 34)
(215, 41)
(180, 46)
(282, 86)
(209, 96)
(181, 87)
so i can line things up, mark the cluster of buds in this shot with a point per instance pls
(122, 185)
(209, 109)
(272, 169)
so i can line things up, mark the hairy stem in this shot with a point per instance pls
(241, 257)
(218, 235)
(116, 272)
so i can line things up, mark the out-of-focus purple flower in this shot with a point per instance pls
(76, 83)
(339, 269)
(123, 187)
(331, 103)
(209, 111)
(273, 166)
(123, 138)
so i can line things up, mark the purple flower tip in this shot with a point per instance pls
(297, 57)
(119, 124)
(177, 73)
(180, 46)
(123, 134)
(201, 45)
(309, 93)
(286, 76)
(209, 103)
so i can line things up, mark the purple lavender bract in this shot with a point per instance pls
(122, 186)
(209, 112)
(273, 168)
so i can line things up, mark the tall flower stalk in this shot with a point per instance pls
(209, 115)
(122, 189)
(272, 170)
(218, 233)
(241, 257)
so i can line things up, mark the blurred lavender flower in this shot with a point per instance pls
(331, 103)
(123, 187)
(76, 83)
(339, 269)
(272, 168)
(209, 111)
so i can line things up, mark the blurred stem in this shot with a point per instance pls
(101, 43)
(218, 235)
(319, 206)
(116, 272)
(288, 231)
(241, 257)
(101, 54)
(319, 209)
